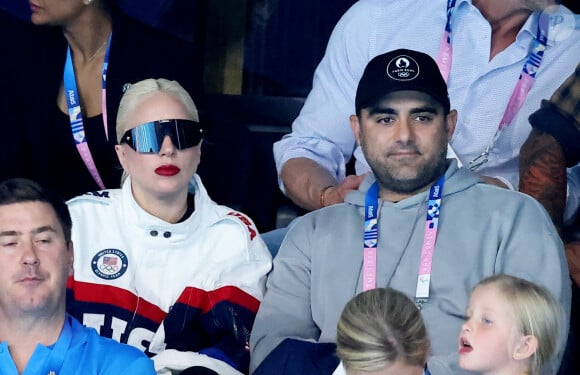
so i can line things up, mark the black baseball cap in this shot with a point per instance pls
(399, 70)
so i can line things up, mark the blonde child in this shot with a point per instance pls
(511, 327)
(381, 332)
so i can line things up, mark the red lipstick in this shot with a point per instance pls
(167, 170)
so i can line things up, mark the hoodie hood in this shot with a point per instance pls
(456, 179)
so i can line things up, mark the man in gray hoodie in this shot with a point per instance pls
(418, 223)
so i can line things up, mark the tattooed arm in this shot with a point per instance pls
(543, 176)
(543, 173)
(554, 144)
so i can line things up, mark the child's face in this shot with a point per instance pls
(487, 337)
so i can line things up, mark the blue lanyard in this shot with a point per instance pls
(445, 55)
(450, 9)
(520, 91)
(371, 237)
(104, 87)
(60, 349)
(75, 112)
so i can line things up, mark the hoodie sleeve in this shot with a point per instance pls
(284, 325)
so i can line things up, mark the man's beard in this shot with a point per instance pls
(426, 175)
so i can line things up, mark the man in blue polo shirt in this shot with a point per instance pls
(36, 258)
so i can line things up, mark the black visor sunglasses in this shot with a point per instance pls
(147, 138)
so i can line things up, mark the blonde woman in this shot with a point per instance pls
(158, 264)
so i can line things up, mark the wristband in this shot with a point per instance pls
(322, 193)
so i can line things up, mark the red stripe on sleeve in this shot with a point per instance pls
(205, 301)
(193, 297)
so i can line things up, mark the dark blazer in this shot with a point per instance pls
(32, 59)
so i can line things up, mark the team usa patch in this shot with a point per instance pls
(109, 264)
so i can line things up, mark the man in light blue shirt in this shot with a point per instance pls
(491, 42)
(36, 258)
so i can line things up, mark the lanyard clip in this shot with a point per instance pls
(479, 160)
(419, 302)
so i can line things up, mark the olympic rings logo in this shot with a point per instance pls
(108, 268)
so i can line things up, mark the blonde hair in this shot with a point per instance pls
(536, 313)
(139, 91)
(379, 327)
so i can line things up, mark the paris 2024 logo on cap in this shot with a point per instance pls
(403, 68)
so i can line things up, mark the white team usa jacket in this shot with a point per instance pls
(185, 293)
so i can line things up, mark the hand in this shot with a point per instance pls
(336, 194)
(573, 257)
(493, 181)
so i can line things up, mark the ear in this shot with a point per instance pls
(355, 126)
(451, 122)
(121, 156)
(71, 258)
(525, 347)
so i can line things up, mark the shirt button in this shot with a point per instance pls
(166, 234)
(153, 233)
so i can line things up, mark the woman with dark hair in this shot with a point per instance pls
(64, 75)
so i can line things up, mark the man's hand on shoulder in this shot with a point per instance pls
(493, 181)
(311, 186)
(336, 194)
